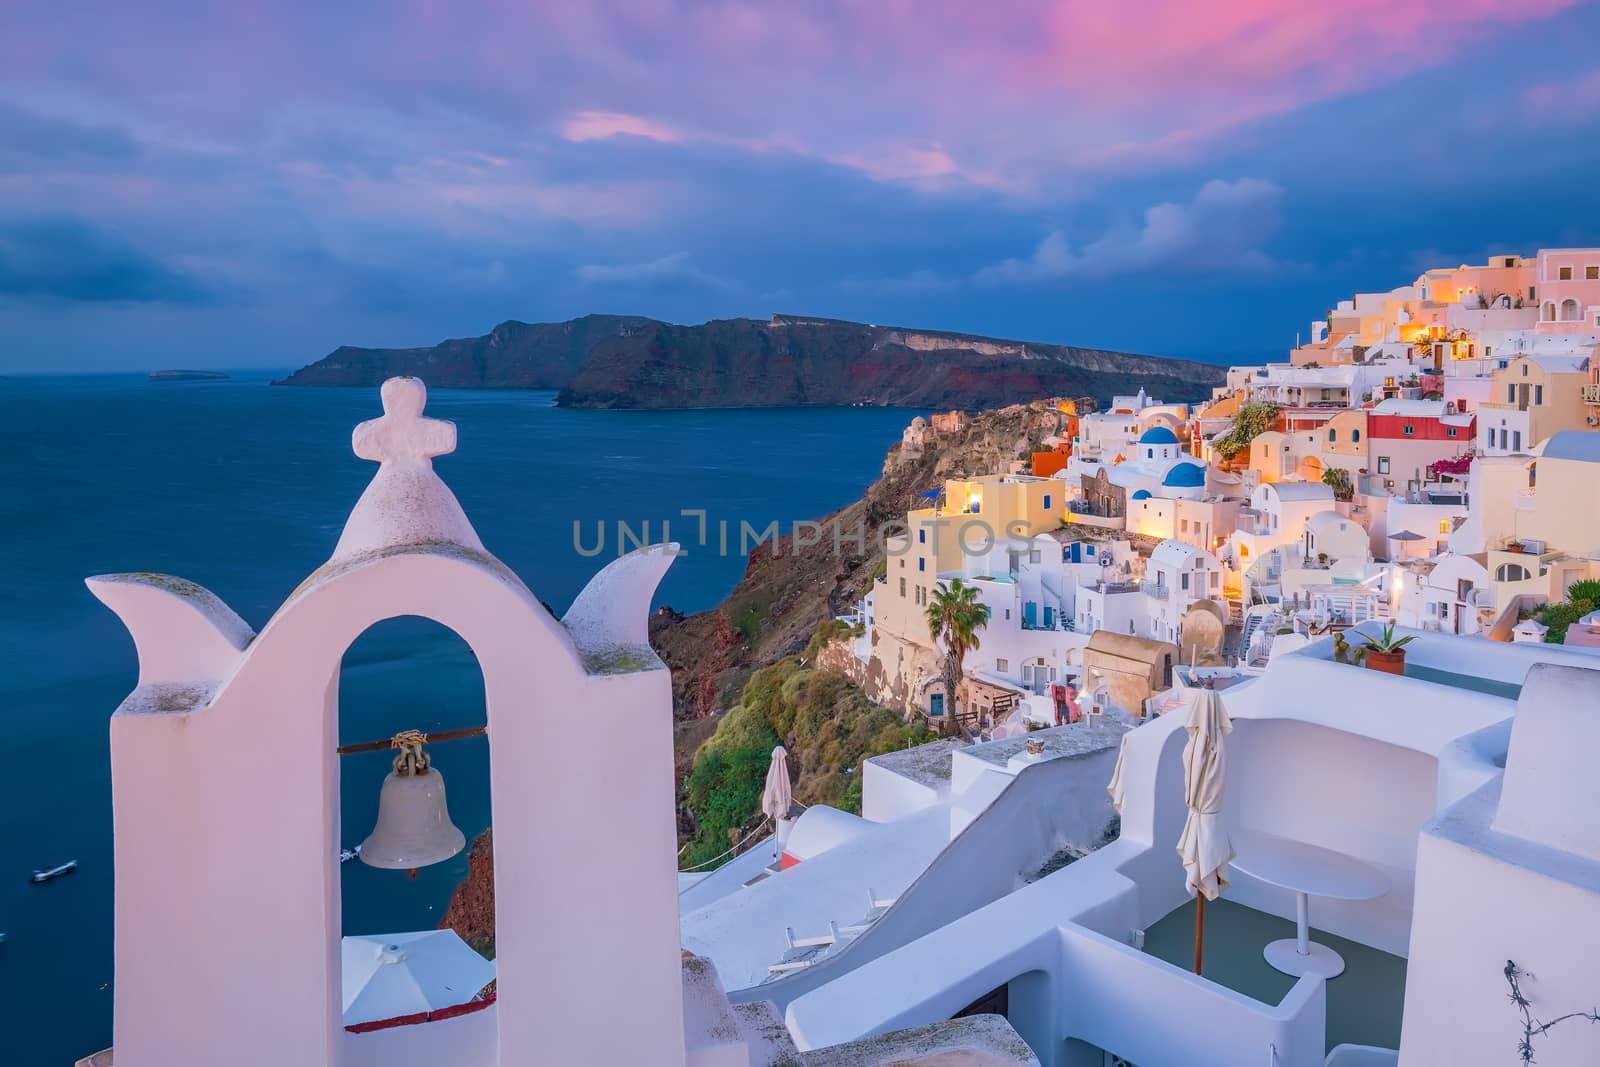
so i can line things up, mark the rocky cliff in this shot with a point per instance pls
(610, 361)
(789, 588)
(789, 594)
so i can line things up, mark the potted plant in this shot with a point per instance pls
(1386, 652)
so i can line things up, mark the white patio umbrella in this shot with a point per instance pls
(1117, 788)
(777, 796)
(389, 975)
(1204, 846)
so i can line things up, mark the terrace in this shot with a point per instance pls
(1363, 1005)
(1095, 958)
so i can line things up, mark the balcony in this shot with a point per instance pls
(1363, 1011)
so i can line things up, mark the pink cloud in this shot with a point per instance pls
(598, 125)
(1023, 97)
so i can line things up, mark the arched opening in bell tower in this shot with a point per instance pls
(400, 674)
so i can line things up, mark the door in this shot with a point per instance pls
(936, 705)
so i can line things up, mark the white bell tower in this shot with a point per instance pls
(225, 783)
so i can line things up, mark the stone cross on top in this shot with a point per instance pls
(404, 434)
(406, 503)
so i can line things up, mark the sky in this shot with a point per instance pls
(242, 184)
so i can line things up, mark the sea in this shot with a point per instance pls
(244, 487)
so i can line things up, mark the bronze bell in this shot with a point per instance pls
(414, 828)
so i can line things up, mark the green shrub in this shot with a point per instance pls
(1560, 616)
(1585, 589)
(1252, 420)
(827, 724)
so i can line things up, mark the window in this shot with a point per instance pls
(902, 584)
(1002, 665)
(1008, 613)
(1564, 273)
(1511, 392)
(1512, 572)
(922, 563)
(1355, 437)
(1524, 370)
(1034, 556)
(1511, 261)
(1149, 453)
(1183, 525)
(1046, 505)
(1383, 465)
(1463, 589)
(1452, 431)
(1516, 440)
(1538, 394)
(1444, 526)
(1183, 580)
(1410, 429)
(1591, 273)
(1333, 435)
(922, 537)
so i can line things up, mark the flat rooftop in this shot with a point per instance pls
(927, 765)
(1076, 739)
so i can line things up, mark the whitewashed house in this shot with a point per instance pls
(1177, 577)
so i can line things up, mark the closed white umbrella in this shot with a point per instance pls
(1205, 847)
(777, 797)
(1117, 788)
(389, 975)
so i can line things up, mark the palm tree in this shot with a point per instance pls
(956, 615)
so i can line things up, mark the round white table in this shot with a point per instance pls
(1307, 870)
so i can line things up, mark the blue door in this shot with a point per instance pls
(936, 705)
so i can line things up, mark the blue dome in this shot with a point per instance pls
(1140, 494)
(1185, 476)
(1158, 435)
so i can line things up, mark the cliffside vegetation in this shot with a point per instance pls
(825, 722)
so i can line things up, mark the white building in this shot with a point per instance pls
(1177, 577)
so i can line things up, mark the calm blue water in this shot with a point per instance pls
(244, 488)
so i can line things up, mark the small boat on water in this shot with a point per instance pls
(50, 874)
